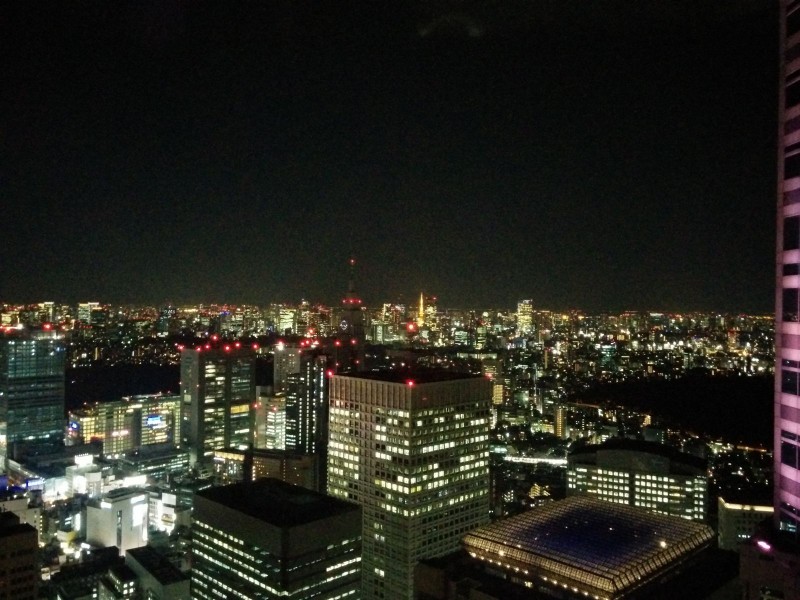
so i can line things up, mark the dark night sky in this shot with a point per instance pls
(603, 155)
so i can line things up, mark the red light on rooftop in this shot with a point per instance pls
(337, 343)
(329, 373)
(409, 382)
(255, 346)
(199, 348)
(180, 346)
(227, 348)
(208, 346)
(238, 344)
(47, 326)
(411, 327)
(353, 341)
(214, 337)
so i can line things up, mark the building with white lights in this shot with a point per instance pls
(118, 519)
(644, 474)
(413, 451)
(269, 539)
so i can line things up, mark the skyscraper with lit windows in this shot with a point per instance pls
(32, 367)
(413, 451)
(218, 393)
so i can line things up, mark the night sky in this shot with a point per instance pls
(604, 155)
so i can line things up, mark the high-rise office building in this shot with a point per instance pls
(269, 539)
(306, 406)
(218, 393)
(32, 368)
(413, 451)
(787, 340)
(286, 361)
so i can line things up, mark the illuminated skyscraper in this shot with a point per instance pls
(413, 452)
(306, 406)
(787, 342)
(524, 317)
(351, 335)
(32, 370)
(286, 361)
(218, 391)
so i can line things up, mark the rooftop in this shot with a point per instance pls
(412, 376)
(159, 567)
(673, 454)
(605, 547)
(276, 502)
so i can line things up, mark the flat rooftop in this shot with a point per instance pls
(417, 376)
(603, 548)
(159, 567)
(277, 503)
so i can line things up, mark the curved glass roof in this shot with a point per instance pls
(606, 547)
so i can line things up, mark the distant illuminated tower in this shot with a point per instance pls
(413, 451)
(524, 317)
(421, 313)
(351, 334)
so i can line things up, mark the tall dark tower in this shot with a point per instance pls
(350, 337)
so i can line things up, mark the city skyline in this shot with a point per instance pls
(244, 153)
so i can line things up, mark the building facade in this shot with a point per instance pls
(643, 474)
(218, 393)
(32, 368)
(128, 424)
(413, 452)
(269, 539)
